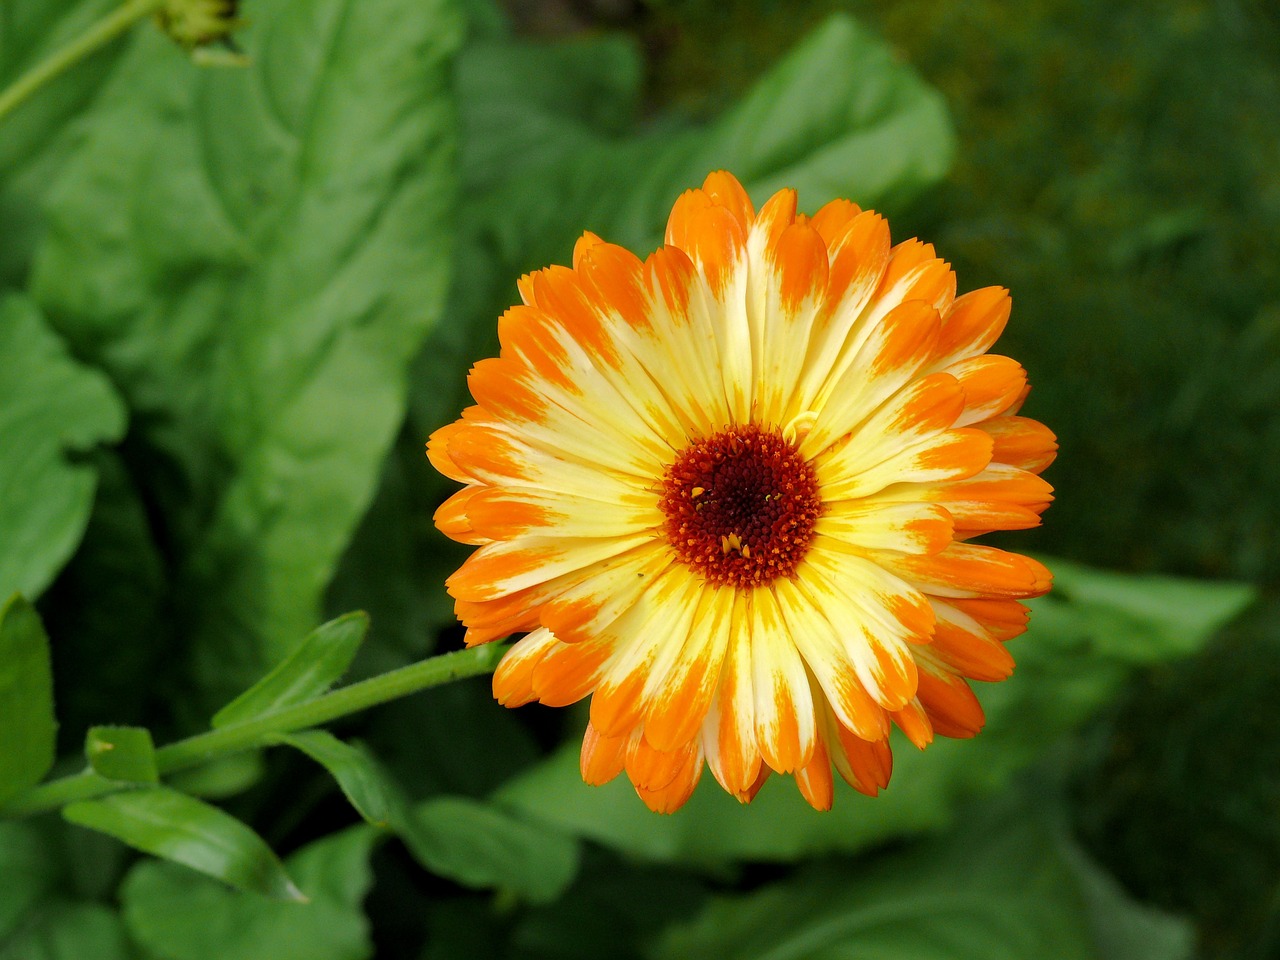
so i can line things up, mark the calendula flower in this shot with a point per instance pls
(728, 492)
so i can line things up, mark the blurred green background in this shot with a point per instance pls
(246, 297)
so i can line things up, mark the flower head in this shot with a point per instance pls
(728, 492)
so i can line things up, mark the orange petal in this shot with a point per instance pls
(800, 260)
(724, 190)
(602, 758)
(501, 385)
(865, 765)
(964, 645)
(438, 452)
(451, 517)
(498, 569)
(513, 679)
(953, 709)
(785, 725)
(833, 217)
(972, 324)
(711, 236)
(915, 723)
(916, 273)
(677, 710)
(570, 671)
(653, 769)
(749, 794)
(991, 384)
(730, 728)
(815, 781)
(828, 658)
(970, 570)
(530, 334)
(615, 277)
(561, 295)
(1022, 442)
(1003, 619)
(673, 796)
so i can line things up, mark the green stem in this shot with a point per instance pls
(203, 747)
(98, 35)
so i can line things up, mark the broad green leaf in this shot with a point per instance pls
(479, 845)
(50, 407)
(171, 825)
(69, 931)
(38, 135)
(180, 915)
(1145, 618)
(999, 888)
(122, 753)
(316, 664)
(27, 724)
(27, 873)
(355, 770)
(254, 256)
(1122, 928)
(840, 115)
(1068, 667)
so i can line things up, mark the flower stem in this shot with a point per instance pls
(235, 738)
(101, 33)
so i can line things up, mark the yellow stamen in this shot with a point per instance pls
(697, 491)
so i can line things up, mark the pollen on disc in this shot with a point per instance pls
(740, 506)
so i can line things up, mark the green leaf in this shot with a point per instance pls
(355, 770)
(70, 931)
(224, 777)
(1001, 887)
(27, 724)
(1069, 666)
(465, 840)
(179, 915)
(171, 825)
(479, 845)
(1148, 619)
(317, 663)
(840, 115)
(50, 407)
(1122, 928)
(122, 753)
(40, 133)
(255, 255)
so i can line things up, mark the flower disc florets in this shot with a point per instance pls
(740, 506)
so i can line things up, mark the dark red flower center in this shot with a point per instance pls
(740, 506)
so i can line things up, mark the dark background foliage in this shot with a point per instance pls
(226, 315)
